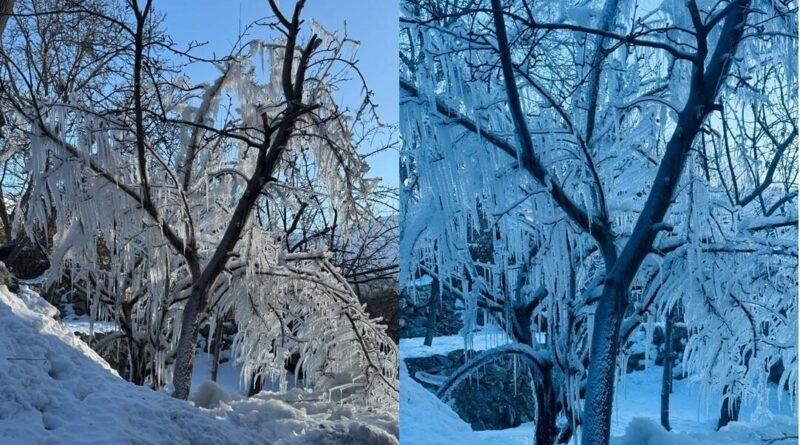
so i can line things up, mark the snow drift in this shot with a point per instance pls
(55, 389)
(768, 429)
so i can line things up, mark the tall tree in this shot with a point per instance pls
(170, 199)
(586, 161)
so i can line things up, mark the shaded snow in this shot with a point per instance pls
(85, 326)
(638, 396)
(481, 340)
(229, 376)
(779, 430)
(424, 419)
(83, 323)
(55, 389)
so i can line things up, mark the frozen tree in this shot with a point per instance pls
(72, 56)
(169, 199)
(6, 8)
(589, 141)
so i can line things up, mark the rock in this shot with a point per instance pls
(415, 318)
(635, 362)
(23, 259)
(494, 399)
(8, 279)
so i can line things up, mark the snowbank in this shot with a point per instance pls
(779, 430)
(55, 389)
(298, 417)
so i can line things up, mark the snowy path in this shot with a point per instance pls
(424, 419)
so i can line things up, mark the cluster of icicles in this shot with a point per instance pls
(118, 256)
(473, 217)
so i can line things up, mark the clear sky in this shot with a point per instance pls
(372, 22)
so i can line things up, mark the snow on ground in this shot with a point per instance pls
(482, 340)
(84, 323)
(638, 396)
(424, 419)
(766, 429)
(229, 376)
(85, 326)
(55, 389)
(298, 417)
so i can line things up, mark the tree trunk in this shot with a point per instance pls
(433, 310)
(705, 83)
(6, 8)
(603, 362)
(4, 217)
(136, 371)
(546, 411)
(666, 378)
(217, 347)
(187, 344)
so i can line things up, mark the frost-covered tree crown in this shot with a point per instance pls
(169, 202)
(579, 170)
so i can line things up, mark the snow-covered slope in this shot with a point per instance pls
(55, 389)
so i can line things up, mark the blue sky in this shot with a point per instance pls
(372, 22)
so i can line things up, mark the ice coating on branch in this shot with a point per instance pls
(286, 300)
(492, 232)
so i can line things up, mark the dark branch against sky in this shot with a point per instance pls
(372, 23)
